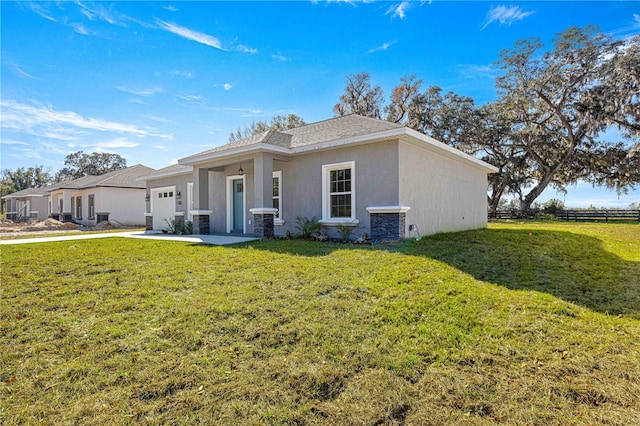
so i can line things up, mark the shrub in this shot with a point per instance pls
(308, 227)
(553, 206)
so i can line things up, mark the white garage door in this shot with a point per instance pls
(163, 206)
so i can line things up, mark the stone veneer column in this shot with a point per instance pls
(263, 221)
(388, 222)
(201, 221)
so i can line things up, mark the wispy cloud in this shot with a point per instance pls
(245, 49)
(398, 10)
(636, 19)
(171, 8)
(161, 147)
(5, 141)
(505, 15)
(280, 57)
(157, 118)
(141, 92)
(115, 143)
(185, 74)
(63, 125)
(468, 71)
(37, 8)
(80, 28)
(18, 70)
(184, 32)
(227, 86)
(381, 48)
(191, 98)
(96, 11)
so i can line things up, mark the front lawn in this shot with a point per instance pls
(522, 323)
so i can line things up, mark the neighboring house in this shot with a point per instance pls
(118, 196)
(30, 203)
(376, 176)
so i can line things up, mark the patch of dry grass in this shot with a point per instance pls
(470, 328)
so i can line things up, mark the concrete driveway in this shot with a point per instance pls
(216, 240)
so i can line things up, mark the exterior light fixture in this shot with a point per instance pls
(241, 170)
(147, 197)
(178, 195)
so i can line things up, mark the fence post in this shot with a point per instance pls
(606, 216)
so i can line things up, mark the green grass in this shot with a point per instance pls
(62, 233)
(523, 323)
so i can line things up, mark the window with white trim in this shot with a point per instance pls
(78, 207)
(338, 192)
(277, 194)
(92, 206)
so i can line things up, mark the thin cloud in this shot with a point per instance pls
(468, 71)
(80, 29)
(18, 70)
(185, 74)
(141, 92)
(280, 57)
(12, 142)
(157, 118)
(227, 86)
(65, 125)
(116, 143)
(37, 8)
(383, 47)
(171, 8)
(636, 19)
(191, 98)
(245, 49)
(184, 32)
(96, 11)
(399, 10)
(505, 15)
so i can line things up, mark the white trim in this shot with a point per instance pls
(230, 180)
(404, 133)
(278, 222)
(159, 175)
(201, 212)
(263, 210)
(326, 205)
(179, 214)
(278, 174)
(388, 209)
(148, 215)
(190, 203)
(340, 221)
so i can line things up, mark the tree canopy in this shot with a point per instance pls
(278, 122)
(80, 164)
(549, 123)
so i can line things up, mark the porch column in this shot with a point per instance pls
(66, 215)
(263, 211)
(201, 215)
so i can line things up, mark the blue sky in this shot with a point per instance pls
(157, 81)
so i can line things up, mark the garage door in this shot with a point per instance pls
(163, 206)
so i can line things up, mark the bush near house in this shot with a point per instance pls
(523, 323)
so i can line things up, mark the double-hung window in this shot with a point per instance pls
(277, 197)
(338, 193)
(78, 207)
(92, 206)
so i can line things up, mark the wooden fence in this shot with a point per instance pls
(605, 215)
(575, 215)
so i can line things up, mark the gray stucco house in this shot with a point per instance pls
(30, 203)
(376, 176)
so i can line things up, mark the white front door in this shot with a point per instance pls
(163, 206)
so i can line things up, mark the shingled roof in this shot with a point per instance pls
(123, 178)
(28, 192)
(337, 128)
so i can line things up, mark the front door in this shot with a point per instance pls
(238, 210)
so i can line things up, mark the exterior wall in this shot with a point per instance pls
(443, 194)
(180, 183)
(124, 205)
(376, 182)
(40, 205)
(301, 187)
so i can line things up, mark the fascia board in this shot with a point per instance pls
(164, 175)
(260, 147)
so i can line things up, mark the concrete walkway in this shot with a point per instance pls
(216, 240)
